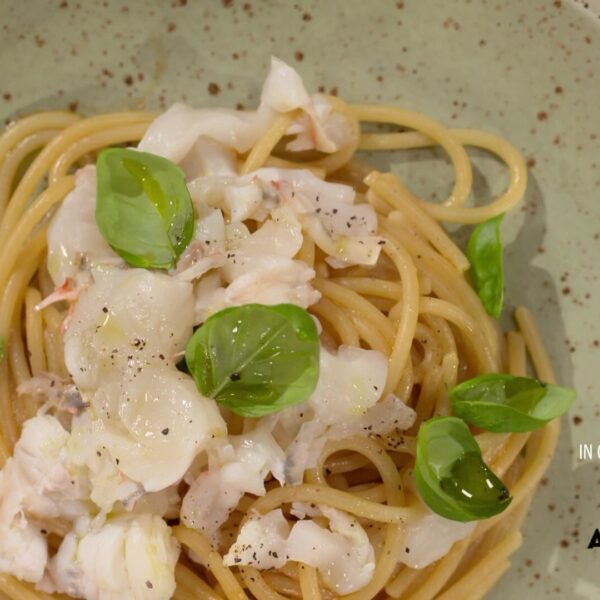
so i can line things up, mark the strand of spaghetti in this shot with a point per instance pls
(371, 336)
(409, 316)
(488, 564)
(398, 196)
(470, 137)
(536, 464)
(19, 130)
(447, 285)
(14, 242)
(356, 304)
(384, 567)
(430, 390)
(444, 137)
(371, 286)
(11, 298)
(101, 139)
(371, 450)
(259, 588)
(212, 560)
(8, 433)
(516, 356)
(535, 345)
(345, 462)
(319, 494)
(53, 321)
(451, 313)
(52, 152)
(15, 158)
(19, 590)
(307, 252)
(337, 160)
(194, 583)
(432, 579)
(34, 332)
(441, 328)
(281, 163)
(283, 584)
(263, 148)
(19, 366)
(339, 319)
(309, 583)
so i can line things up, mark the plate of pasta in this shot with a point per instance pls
(247, 353)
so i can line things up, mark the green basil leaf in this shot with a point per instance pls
(504, 403)
(484, 252)
(143, 207)
(1, 348)
(451, 476)
(256, 359)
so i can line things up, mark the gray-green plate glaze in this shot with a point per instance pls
(528, 70)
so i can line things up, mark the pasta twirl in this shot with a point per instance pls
(412, 303)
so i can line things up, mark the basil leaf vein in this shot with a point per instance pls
(450, 474)
(484, 252)
(505, 403)
(143, 207)
(255, 359)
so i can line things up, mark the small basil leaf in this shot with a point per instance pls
(484, 252)
(143, 207)
(504, 403)
(451, 476)
(255, 359)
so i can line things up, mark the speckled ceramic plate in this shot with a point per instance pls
(528, 70)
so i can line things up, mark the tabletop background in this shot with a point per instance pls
(525, 70)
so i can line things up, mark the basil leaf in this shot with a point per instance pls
(451, 476)
(143, 207)
(255, 359)
(1, 348)
(504, 403)
(484, 252)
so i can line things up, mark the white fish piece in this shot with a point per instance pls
(269, 280)
(259, 268)
(344, 230)
(36, 483)
(240, 198)
(344, 556)
(342, 553)
(51, 486)
(174, 133)
(207, 250)
(153, 423)
(261, 542)
(210, 296)
(351, 381)
(128, 557)
(127, 319)
(429, 537)
(319, 127)
(120, 348)
(281, 235)
(239, 467)
(209, 157)
(210, 228)
(74, 240)
(347, 401)
(108, 485)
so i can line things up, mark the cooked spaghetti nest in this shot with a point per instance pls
(121, 480)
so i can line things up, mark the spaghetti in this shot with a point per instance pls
(415, 306)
